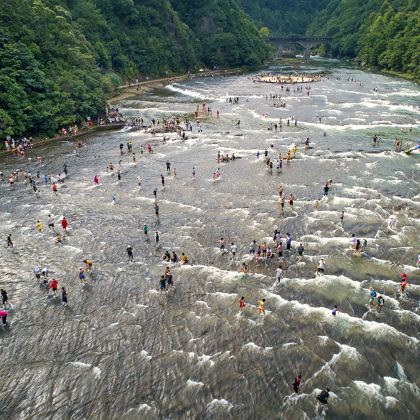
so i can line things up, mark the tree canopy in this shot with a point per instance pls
(59, 59)
(381, 33)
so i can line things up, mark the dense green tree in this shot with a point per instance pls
(227, 37)
(283, 17)
(59, 59)
(382, 33)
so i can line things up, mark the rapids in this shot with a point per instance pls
(122, 349)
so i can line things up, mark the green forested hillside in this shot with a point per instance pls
(59, 59)
(47, 69)
(382, 33)
(391, 40)
(226, 35)
(283, 17)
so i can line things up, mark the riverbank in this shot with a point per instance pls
(378, 70)
(125, 92)
(129, 91)
(406, 76)
(81, 134)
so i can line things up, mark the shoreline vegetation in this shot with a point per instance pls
(124, 92)
(61, 60)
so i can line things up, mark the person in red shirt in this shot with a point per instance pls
(404, 282)
(297, 383)
(242, 303)
(3, 316)
(53, 286)
(64, 223)
(54, 188)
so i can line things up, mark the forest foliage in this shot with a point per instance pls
(284, 17)
(60, 59)
(381, 33)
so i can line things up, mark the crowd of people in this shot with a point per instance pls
(287, 79)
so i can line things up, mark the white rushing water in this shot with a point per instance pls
(122, 349)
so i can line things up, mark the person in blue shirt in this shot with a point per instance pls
(288, 241)
(301, 249)
(372, 297)
(82, 276)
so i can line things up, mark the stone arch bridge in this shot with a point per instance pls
(307, 42)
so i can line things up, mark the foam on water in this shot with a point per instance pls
(190, 92)
(370, 329)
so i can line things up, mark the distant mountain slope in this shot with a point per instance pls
(383, 33)
(227, 36)
(283, 16)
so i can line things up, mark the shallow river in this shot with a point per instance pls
(122, 349)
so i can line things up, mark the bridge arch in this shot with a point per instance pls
(307, 42)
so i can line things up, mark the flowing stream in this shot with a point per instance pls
(122, 349)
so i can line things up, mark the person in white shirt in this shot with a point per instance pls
(279, 273)
(353, 240)
(233, 249)
(321, 266)
(392, 222)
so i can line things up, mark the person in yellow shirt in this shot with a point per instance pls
(294, 150)
(280, 157)
(261, 307)
(184, 259)
(288, 157)
(39, 226)
(89, 264)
